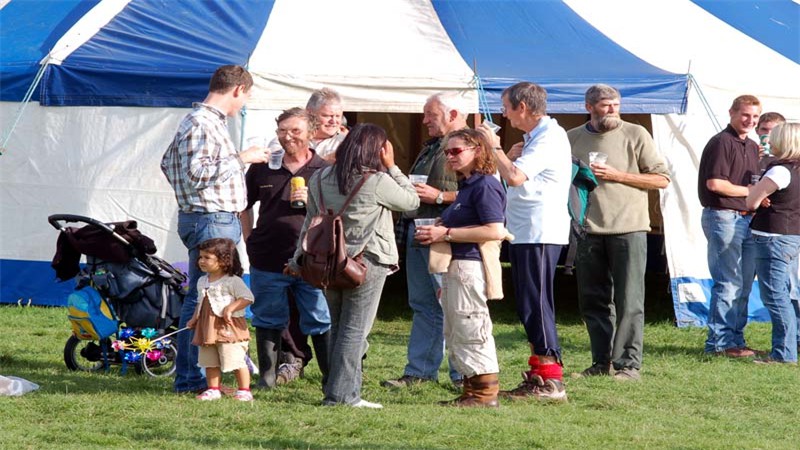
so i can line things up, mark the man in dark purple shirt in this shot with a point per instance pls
(727, 167)
(272, 243)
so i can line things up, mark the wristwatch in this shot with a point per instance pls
(447, 237)
(440, 198)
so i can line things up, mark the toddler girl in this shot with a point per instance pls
(220, 328)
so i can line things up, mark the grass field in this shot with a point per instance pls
(685, 399)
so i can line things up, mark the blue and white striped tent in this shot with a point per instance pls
(108, 81)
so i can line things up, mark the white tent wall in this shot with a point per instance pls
(97, 162)
(386, 75)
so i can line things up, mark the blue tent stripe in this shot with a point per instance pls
(774, 23)
(160, 53)
(547, 43)
(35, 26)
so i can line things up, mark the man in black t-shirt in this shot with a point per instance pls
(727, 167)
(272, 243)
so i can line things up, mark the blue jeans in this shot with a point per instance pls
(194, 228)
(352, 315)
(774, 256)
(426, 341)
(271, 308)
(794, 293)
(731, 261)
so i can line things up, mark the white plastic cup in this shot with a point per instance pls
(493, 126)
(418, 179)
(597, 158)
(257, 141)
(276, 153)
(423, 222)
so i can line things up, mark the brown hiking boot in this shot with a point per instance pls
(479, 391)
(533, 386)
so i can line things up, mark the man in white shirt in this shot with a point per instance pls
(538, 178)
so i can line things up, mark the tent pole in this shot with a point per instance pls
(705, 103)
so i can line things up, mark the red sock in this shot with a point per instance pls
(213, 388)
(533, 361)
(551, 371)
(245, 388)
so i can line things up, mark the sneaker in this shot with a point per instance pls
(365, 404)
(404, 382)
(289, 371)
(244, 396)
(628, 374)
(251, 367)
(458, 384)
(533, 386)
(596, 370)
(209, 395)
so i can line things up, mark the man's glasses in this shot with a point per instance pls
(455, 151)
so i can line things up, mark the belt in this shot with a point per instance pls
(740, 212)
(236, 214)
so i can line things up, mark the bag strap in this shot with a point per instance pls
(353, 193)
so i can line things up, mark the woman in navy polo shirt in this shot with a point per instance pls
(476, 216)
(776, 233)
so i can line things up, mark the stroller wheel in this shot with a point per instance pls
(161, 366)
(85, 355)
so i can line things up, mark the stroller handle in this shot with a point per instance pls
(56, 219)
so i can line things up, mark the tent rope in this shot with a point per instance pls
(483, 104)
(25, 101)
(706, 104)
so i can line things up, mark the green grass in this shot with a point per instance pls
(685, 399)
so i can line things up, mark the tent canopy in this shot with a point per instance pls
(152, 53)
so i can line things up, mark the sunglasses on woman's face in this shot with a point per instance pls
(455, 151)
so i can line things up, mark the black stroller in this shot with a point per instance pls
(141, 290)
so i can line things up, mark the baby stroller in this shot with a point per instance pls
(139, 296)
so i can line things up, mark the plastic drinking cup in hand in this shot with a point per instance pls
(597, 158)
(423, 222)
(257, 141)
(493, 126)
(276, 153)
(418, 179)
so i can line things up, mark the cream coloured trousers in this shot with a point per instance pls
(467, 325)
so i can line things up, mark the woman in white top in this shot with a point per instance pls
(776, 233)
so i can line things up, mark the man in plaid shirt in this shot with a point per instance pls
(207, 174)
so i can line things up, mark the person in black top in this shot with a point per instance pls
(727, 166)
(273, 242)
(776, 234)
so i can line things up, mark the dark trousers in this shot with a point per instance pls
(533, 267)
(610, 271)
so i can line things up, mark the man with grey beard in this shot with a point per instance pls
(611, 257)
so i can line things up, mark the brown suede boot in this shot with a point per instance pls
(479, 391)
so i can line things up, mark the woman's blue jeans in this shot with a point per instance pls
(774, 257)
